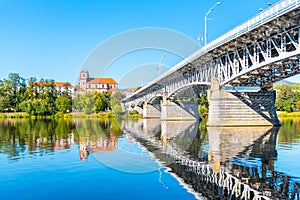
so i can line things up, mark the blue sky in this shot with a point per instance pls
(53, 38)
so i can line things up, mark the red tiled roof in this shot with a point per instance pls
(62, 84)
(131, 90)
(56, 84)
(102, 81)
(112, 89)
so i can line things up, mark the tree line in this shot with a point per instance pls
(287, 97)
(43, 99)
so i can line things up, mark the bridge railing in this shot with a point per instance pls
(270, 13)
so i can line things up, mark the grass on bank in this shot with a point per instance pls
(107, 115)
(286, 114)
(15, 115)
(59, 115)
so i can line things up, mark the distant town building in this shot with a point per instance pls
(129, 92)
(88, 84)
(60, 87)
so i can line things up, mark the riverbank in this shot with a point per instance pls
(286, 114)
(14, 115)
(102, 115)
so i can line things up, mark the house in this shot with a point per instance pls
(87, 84)
(60, 87)
(129, 92)
(63, 87)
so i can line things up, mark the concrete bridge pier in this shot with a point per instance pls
(179, 110)
(151, 111)
(227, 108)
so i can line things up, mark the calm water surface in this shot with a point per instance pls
(147, 159)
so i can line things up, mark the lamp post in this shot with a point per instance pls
(261, 9)
(205, 20)
(159, 62)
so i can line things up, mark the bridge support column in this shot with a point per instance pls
(242, 108)
(150, 111)
(179, 111)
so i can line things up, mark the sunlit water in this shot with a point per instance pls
(145, 159)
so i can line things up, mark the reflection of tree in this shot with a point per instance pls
(289, 131)
(197, 150)
(21, 137)
(63, 134)
(116, 127)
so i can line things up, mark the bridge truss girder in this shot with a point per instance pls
(264, 54)
(260, 57)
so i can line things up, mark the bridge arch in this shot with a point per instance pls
(155, 99)
(188, 90)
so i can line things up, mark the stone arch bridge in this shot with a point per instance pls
(255, 54)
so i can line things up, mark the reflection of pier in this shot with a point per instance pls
(240, 160)
(228, 142)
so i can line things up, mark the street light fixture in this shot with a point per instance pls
(205, 20)
(261, 9)
(159, 62)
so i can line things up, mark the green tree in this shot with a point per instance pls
(202, 104)
(98, 105)
(298, 105)
(77, 106)
(115, 103)
(31, 92)
(287, 106)
(87, 102)
(287, 97)
(116, 109)
(35, 107)
(115, 99)
(63, 104)
(47, 93)
(105, 97)
(13, 90)
(3, 103)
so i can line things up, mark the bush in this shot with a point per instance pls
(133, 112)
(203, 111)
(68, 116)
(116, 110)
(59, 115)
(3, 116)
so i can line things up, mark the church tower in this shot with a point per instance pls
(84, 76)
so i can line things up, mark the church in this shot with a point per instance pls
(88, 84)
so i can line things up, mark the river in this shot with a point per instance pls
(147, 159)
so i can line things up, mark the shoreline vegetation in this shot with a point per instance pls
(288, 114)
(29, 98)
(75, 115)
(101, 115)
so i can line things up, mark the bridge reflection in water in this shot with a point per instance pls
(217, 162)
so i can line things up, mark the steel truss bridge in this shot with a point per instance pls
(259, 52)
